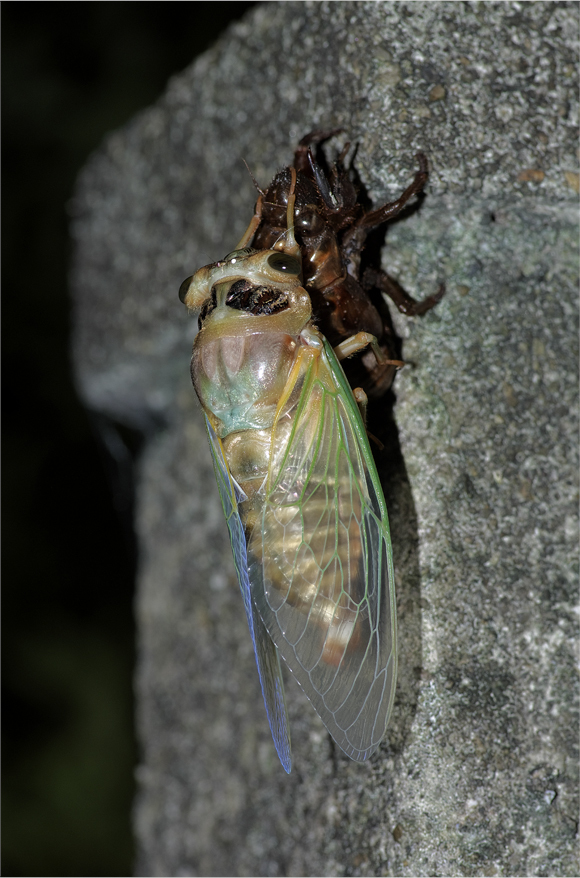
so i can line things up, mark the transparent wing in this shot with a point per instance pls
(321, 566)
(265, 651)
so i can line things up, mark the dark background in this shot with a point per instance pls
(71, 73)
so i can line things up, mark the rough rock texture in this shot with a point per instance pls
(478, 771)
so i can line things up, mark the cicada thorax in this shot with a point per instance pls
(239, 377)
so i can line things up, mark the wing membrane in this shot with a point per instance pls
(321, 564)
(265, 651)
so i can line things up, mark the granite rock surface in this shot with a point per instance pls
(477, 774)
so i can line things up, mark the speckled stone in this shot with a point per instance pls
(478, 772)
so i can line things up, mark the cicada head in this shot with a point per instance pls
(245, 263)
(196, 289)
(261, 283)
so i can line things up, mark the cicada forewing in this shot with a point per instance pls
(267, 658)
(316, 570)
(321, 571)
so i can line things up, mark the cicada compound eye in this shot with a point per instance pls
(284, 263)
(239, 254)
(184, 288)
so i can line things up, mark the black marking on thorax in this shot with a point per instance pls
(243, 295)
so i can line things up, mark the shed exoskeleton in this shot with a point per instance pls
(299, 488)
(332, 221)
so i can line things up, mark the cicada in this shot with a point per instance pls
(302, 499)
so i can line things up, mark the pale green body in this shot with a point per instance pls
(302, 498)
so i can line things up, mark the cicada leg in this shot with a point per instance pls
(403, 301)
(362, 401)
(252, 228)
(351, 346)
(313, 138)
(286, 242)
(292, 245)
(393, 208)
(358, 342)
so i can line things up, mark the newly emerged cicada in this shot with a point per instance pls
(301, 495)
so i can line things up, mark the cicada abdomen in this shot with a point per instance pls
(321, 554)
(302, 499)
